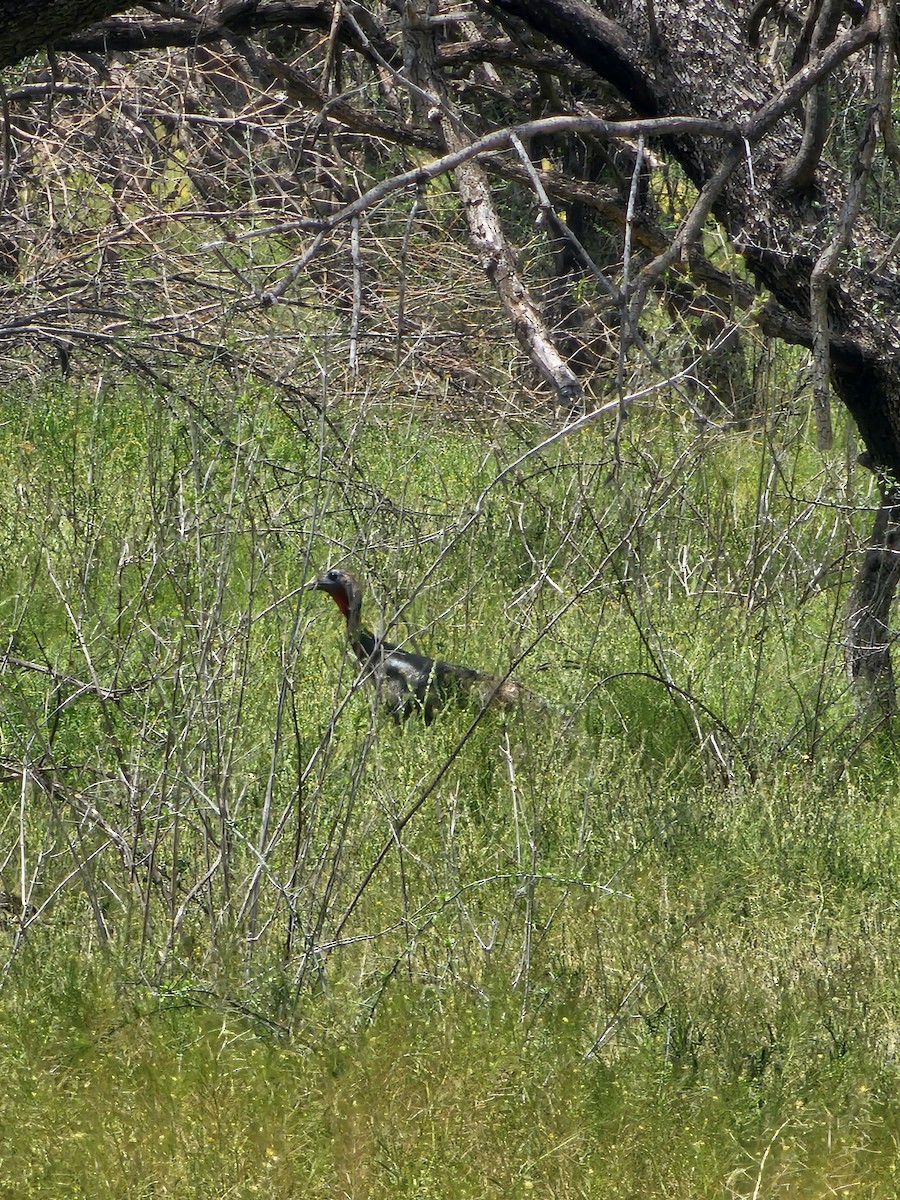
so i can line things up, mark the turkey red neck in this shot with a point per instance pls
(346, 591)
(340, 599)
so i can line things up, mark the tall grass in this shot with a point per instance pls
(259, 940)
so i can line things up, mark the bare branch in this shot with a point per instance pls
(500, 139)
(134, 34)
(485, 230)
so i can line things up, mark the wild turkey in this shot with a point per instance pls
(410, 683)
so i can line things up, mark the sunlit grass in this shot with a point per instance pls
(109, 1092)
(644, 945)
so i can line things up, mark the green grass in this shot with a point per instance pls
(111, 1093)
(646, 946)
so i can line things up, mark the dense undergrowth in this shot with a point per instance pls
(274, 945)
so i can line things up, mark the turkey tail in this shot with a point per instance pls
(509, 693)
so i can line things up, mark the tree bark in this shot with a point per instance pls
(26, 26)
(869, 662)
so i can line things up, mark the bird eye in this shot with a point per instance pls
(333, 576)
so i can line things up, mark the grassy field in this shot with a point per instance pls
(258, 941)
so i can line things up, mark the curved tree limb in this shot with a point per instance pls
(799, 172)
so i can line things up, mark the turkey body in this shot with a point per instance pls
(407, 683)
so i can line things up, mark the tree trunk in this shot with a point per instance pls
(26, 26)
(868, 611)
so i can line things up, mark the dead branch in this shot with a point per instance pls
(485, 230)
